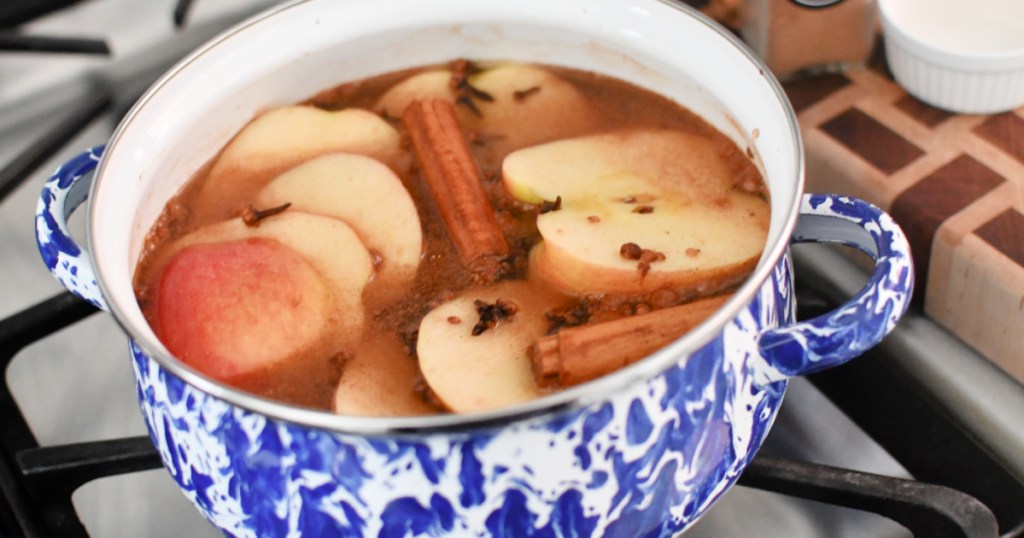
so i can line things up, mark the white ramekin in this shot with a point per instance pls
(963, 81)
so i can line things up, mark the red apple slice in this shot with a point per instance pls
(236, 307)
(328, 244)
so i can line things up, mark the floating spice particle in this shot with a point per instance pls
(454, 320)
(460, 70)
(546, 206)
(337, 363)
(644, 209)
(594, 219)
(420, 387)
(749, 181)
(467, 102)
(480, 139)
(252, 216)
(376, 258)
(465, 93)
(647, 257)
(664, 298)
(571, 315)
(507, 309)
(630, 251)
(477, 93)
(520, 95)
(491, 314)
(637, 198)
(409, 340)
(652, 256)
(693, 252)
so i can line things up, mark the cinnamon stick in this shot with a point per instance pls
(454, 182)
(578, 354)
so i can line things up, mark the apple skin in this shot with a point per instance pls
(367, 196)
(329, 245)
(555, 110)
(710, 233)
(378, 381)
(232, 308)
(491, 370)
(285, 137)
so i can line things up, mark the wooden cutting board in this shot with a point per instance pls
(955, 183)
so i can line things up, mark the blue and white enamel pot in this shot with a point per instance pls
(642, 452)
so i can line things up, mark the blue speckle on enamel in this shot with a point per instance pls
(638, 425)
(838, 336)
(65, 190)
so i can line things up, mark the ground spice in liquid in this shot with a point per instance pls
(310, 381)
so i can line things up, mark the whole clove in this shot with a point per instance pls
(252, 216)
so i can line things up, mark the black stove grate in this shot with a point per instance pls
(74, 117)
(37, 482)
(15, 12)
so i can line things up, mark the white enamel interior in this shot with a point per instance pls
(297, 50)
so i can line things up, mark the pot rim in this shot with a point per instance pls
(564, 400)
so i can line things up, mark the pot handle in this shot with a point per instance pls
(66, 189)
(838, 336)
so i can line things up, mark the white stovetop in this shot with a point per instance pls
(77, 385)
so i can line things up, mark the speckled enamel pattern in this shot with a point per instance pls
(68, 263)
(836, 337)
(645, 461)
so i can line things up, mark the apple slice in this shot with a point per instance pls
(668, 193)
(378, 381)
(369, 197)
(284, 137)
(433, 84)
(529, 104)
(489, 370)
(289, 135)
(328, 244)
(235, 307)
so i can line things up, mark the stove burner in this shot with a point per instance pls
(181, 12)
(15, 12)
(16, 42)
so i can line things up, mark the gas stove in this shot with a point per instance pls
(936, 448)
